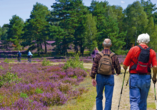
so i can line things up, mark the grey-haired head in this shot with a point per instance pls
(143, 38)
(107, 43)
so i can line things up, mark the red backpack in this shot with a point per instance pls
(142, 65)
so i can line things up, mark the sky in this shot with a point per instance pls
(23, 8)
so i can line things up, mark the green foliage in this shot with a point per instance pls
(38, 91)
(136, 21)
(1, 67)
(90, 34)
(74, 63)
(75, 77)
(45, 62)
(15, 31)
(121, 52)
(71, 24)
(8, 78)
(1, 98)
(36, 27)
(6, 60)
(23, 95)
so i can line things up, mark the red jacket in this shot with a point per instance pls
(132, 57)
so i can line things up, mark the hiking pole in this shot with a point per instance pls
(127, 81)
(121, 89)
(155, 96)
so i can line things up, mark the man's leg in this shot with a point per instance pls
(134, 93)
(144, 92)
(99, 88)
(109, 92)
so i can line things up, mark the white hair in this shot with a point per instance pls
(107, 44)
(143, 38)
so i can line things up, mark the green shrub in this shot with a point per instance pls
(38, 91)
(6, 60)
(45, 62)
(121, 52)
(65, 87)
(74, 63)
(8, 78)
(75, 77)
(1, 68)
(23, 95)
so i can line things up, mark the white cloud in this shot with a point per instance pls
(122, 2)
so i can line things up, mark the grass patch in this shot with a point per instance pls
(74, 63)
(151, 105)
(84, 102)
(45, 62)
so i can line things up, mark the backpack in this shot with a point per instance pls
(142, 65)
(105, 64)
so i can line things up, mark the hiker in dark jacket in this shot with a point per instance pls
(139, 59)
(19, 56)
(94, 52)
(103, 80)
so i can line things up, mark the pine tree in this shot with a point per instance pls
(15, 31)
(90, 34)
(35, 27)
(138, 21)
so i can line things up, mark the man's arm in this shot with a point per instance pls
(116, 64)
(127, 60)
(154, 64)
(95, 66)
(154, 73)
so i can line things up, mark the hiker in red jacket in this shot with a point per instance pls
(140, 59)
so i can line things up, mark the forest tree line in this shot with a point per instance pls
(70, 22)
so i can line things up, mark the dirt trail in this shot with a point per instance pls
(124, 103)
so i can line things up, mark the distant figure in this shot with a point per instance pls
(29, 56)
(95, 52)
(19, 56)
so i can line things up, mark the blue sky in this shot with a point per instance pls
(23, 8)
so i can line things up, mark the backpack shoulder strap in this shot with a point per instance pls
(101, 53)
(148, 48)
(112, 54)
(140, 47)
(143, 48)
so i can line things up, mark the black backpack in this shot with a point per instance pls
(142, 65)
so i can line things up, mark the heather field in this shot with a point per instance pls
(37, 86)
(42, 85)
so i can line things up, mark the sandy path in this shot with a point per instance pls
(124, 104)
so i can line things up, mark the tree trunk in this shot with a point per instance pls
(81, 48)
(45, 47)
(76, 48)
(82, 51)
(38, 49)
